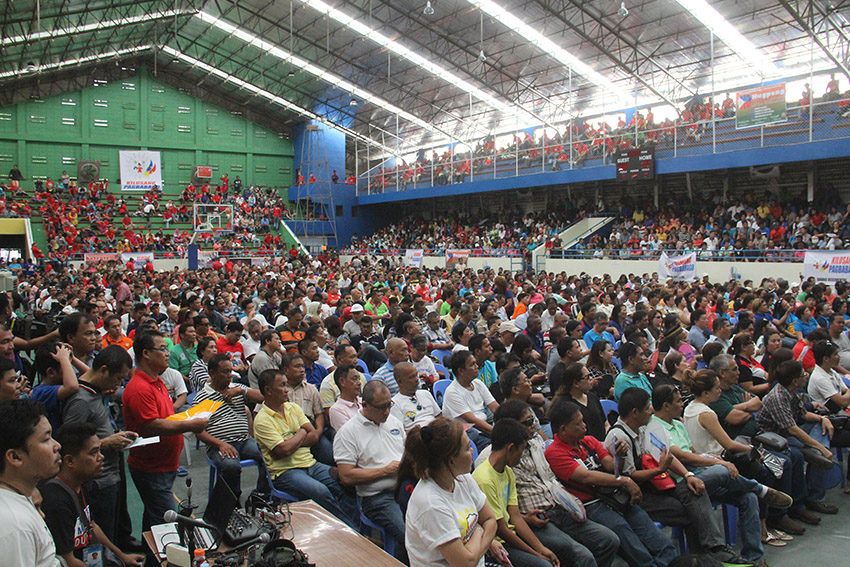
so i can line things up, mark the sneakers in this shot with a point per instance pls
(776, 499)
(786, 524)
(804, 516)
(821, 507)
(181, 471)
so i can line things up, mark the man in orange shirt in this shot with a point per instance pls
(113, 335)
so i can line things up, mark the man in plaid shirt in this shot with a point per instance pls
(593, 545)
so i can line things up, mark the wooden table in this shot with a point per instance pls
(327, 541)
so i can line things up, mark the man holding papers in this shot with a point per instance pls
(147, 404)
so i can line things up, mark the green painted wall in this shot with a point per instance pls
(45, 137)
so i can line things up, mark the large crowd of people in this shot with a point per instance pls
(79, 219)
(386, 387)
(574, 143)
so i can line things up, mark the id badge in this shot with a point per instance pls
(93, 555)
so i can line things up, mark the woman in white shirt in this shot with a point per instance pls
(825, 385)
(448, 521)
(706, 433)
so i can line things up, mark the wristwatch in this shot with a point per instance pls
(689, 474)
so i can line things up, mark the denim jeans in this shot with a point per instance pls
(384, 511)
(741, 492)
(323, 451)
(155, 489)
(231, 471)
(372, 357)
(814, 490)
(480, 440)
(316, 483)
(591, 544)
(558, 543)
(681, 507)
(792, 481)
(642, 543)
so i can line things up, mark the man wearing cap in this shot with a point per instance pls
(352, 326)
(507, 332)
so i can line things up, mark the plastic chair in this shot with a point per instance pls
(444, 370)
(608, 406)
(474, 453)
(366, 523)
(441, 354)
(280, 494)
(362, 366)
(440, 390)
(214, 472)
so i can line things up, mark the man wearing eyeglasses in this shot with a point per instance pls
(412, 405)
(368, 450)
(147, 404)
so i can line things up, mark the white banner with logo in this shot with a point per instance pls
(140, 170)
(139, 258)
(677, 267)
(827, 266)
(413, 258)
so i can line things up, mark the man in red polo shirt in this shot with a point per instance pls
(146, 405)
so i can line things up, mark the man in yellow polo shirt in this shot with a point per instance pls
(285, 436)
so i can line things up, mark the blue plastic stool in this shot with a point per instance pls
(678, 535)
(439, 388)
(214, 472)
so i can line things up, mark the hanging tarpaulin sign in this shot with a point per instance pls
(677, 267)
(760, 106)
(100, 257)
(203, 172)
(139, 258)
(457, 259)
(140, 170)
(413, 258)
(827, 266)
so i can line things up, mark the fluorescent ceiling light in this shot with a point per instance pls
(511, 109)
(549, 47)
(296, 61)
(227, 77)
(729, 35)
(79, 60)
(96, 26)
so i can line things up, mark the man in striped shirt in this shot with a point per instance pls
(227, 436)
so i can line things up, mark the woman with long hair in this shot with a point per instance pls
(577, 387)
(752, 375)
(601, 368)
(448, 521)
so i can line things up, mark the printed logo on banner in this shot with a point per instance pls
(677, 267)
(827, 266)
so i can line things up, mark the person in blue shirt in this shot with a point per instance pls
(634, 365)
(309, 351)
(58, 380)
(598, 332)
(805, 323)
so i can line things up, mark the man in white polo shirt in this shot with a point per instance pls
(367, 451)
(412, 406)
